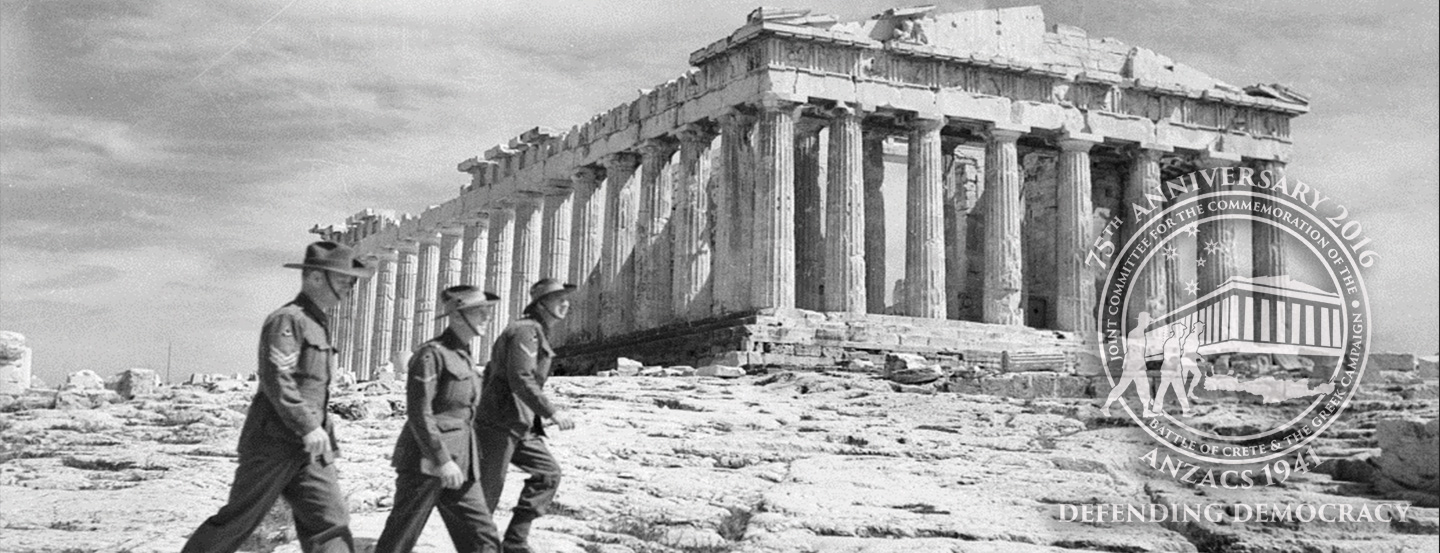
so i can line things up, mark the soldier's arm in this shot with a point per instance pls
(522, 372)
(281, 343)
(420, 390)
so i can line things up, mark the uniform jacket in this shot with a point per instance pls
(441, 393)
(295, 364)
(513, 396)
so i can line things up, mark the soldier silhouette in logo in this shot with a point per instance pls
(1133, 367)
(1172, 375)
(1190, 358)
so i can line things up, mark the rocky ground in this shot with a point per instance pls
(786, 462)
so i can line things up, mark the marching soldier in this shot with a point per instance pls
(436, 455)
(287, 446)
(513, 407)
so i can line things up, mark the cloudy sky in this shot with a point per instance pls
(161, 159)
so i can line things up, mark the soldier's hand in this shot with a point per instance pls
(562, 421)
(450, 475)
(317, 442)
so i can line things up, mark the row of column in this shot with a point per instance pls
(659, 235)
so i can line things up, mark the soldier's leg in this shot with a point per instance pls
(496, 446)
(415, 496)
(533, 457)
(322, 519)
(258, 482)
(468, 520)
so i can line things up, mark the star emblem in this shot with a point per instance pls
(1170, 251)
(1192, 287)
(1192, 230)
(1199, 262)
(1212, 246)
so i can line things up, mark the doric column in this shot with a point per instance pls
(526, 268)
(652, 250)
(734, 194)
(342, 331)
(691, 247)
(622, 208)
(475, 249)
(452, 255)
(1267, 251)
(925, 221)
(403, 338)
(1145, 178)
(1004, 208)
(427, 281)
(555, 232)
(772, 264)
(385, 300)
(873, 172)
(587, 234)
(845, 215)
(1218, 242)
(809, 215)
(363, 332)
(1075, 285)
(498, 274)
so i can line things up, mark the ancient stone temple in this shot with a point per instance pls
(738, 214)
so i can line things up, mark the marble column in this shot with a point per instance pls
(1075, 289)
(475, 248)
(1158, 278)
(691, 247)
(526, 268)
(873, 173)
(342, 334)
(622, 208)
(1219, 240)
(587, 238)
(498, 273)
(734, 195)
(452, 256)
(1267, 245)
(1004, 209)
(403, 338)
(555, 232)
(364, 327)
(772, 264)
(845, 215)
(809, 214)
(385, 300)
(925, 221)
(652, 248)
(427, 282)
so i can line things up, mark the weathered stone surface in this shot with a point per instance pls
(137, 382)
(15, 359)
(85, 380)
(1428, 367)
(1390, 362)
(360, 407)
(722, 371)
(911, 369)
(1410, 453)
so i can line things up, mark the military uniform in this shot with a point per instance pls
(295, 368)
(512, 406)
(441, 391)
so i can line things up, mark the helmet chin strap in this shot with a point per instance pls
(466, 319)
(331, 284)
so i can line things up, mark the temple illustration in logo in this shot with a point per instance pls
(1262, 315)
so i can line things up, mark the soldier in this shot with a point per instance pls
(513, 408)
(287, 446)
(436, 455)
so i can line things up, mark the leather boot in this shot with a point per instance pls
(518, 533)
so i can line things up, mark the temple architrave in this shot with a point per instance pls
(737, 214)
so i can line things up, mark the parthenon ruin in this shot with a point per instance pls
(737, 214)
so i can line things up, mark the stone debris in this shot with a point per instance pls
(720, 371)
(1428, 367)
(1391, 362)
(906, 368)
(134, 383)
(84, 380)
(15, 375)
(1410, 457)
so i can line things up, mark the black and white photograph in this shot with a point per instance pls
(642, 276)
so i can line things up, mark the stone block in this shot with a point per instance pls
(1390, 362)
(84, 380)
(721, 371)
(1410, 453)
(1084, 364)
(1033, 361)
(627, 364)
(1426, 367)
(1016, 385)
(15, 374)
(858, 365)
(137, 383)
(906, 368)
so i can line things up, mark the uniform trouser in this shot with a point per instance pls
(528, 453)
(463, 509)
(322, 520)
